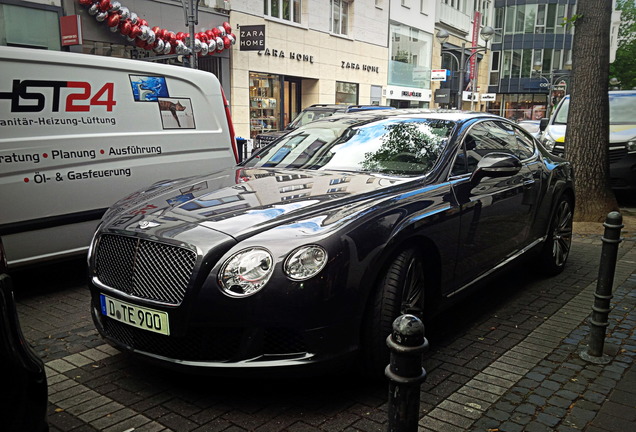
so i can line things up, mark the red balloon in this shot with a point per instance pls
(104, 5)
(227, 27)
(156, 30)
(180, 36)
(161, 33)
(113, 20)
(172, 38)
(140, 43)
(227, 42)
(142, 22)
(135, 31)
(86, 2)
(215, 32)
(209, 34)
(125, 27)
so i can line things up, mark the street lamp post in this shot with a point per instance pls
(191, 15)
(486, 34)
(550, 82)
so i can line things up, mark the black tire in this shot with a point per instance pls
(556, 249)
(401, 290)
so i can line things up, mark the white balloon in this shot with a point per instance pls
(204, 48)
(166, 48)
(125, 13)
(159, 47)
(144, 33)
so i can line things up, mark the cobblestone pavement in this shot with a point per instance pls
(511, 363)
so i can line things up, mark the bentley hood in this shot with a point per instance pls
(240, 201)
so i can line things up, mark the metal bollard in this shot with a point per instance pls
(600, 311)
(405, 372)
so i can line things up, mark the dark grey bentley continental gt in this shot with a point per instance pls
(304, 254)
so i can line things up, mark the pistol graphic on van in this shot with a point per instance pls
(78, 132)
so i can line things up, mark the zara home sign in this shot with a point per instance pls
(252, 38)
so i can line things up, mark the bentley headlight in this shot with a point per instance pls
(246, 272)
(631, 146)
(305, 262)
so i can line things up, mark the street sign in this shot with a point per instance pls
(561, 85)
(442, 96)
(470, 96)
(438, 75)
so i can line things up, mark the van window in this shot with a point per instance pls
(561, 116)
(622, 109)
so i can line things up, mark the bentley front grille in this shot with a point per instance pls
(144, 269)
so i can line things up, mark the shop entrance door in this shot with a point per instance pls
(291, 98)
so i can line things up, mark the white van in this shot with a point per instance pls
(622, 139)
(78, 132)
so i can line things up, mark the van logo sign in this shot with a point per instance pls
(148, 224)
(70, 96)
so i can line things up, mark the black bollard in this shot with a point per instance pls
(405, 372)
(600, 311)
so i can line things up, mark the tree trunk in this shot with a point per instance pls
(587, 134)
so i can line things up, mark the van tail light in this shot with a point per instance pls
(230, 126)
(3, 259)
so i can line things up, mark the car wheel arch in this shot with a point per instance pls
(395, 269)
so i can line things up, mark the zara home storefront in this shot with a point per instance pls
(279, 69)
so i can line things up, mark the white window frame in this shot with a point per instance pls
(343, 17)
(292, 10)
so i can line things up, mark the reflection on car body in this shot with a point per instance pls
(304, 254)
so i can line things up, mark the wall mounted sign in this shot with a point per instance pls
(358, 66)
(292, 55)
(252, 38)
(408, 93)
(71, 30)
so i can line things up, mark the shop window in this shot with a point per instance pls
(264, 103)
(339, 23)
(30, 27)
(288, 10)
(346, 93)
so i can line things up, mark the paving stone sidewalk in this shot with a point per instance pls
(543, 384)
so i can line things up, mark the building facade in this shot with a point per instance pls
(411, 27)
(38, 24)
(532, 56)
(292, 54)
(463, 21)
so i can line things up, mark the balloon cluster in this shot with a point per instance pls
(120, 19)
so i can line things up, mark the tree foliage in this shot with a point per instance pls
(624, 67)
(587, 134)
